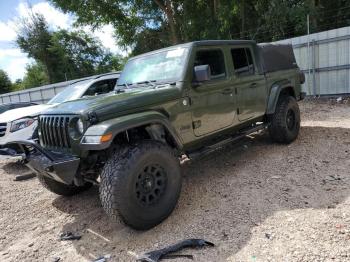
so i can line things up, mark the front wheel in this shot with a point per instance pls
(141, 184)
(285, 122)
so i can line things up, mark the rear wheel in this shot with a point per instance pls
(60, 188)
(141, 184)
(285, 122)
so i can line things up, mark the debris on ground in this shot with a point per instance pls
(69, 236)
(268, 236)
(157, 255)
(25, 176)
(103, 258)
(56, 259)
(100, 259)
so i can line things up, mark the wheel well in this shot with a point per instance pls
(275, 95)
(288, 91)
(150, 131)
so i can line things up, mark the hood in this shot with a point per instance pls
(115, 103)
(29, 111)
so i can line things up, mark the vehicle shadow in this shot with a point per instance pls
(14, 166)
(225, 196)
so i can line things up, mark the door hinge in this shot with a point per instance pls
(196, 124)
(186, 101)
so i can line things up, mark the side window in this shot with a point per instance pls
(101, 87)
(215, 60)
(242, 61)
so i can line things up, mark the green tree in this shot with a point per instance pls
(34, 38)
(61, 55)
(129, 17)
(163, 22)
(5, 82)
(110, 63)
(35, 76)
(17, 85)
(150, 24)
(330, 14)
(79, 54)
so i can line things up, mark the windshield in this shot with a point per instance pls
(163, 66)
(71, 92)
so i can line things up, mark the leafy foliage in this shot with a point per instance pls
(17, 85)
(35, 76)
(5, 82)
(61, 55)
(34, 38)
(150, 24)
(79, 54)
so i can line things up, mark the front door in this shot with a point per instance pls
(249, 84)
(212, 101)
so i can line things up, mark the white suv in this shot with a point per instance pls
(21, 123)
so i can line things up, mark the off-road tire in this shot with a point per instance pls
(122, 187)
(285, 122)
(60, 188)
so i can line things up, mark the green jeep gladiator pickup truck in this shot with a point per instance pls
(181, 101)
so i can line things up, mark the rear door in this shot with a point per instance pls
(249, 84)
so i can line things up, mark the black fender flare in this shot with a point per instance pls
(275, 91)
(121, 124)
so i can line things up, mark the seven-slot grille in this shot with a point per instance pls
(54, 131)
(3, 127)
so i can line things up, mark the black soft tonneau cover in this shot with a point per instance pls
(275, 57)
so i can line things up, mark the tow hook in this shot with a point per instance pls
(49, 169)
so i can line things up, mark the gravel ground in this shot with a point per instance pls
(257, 201)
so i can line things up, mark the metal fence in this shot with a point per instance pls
(325, 59)
(40, 95)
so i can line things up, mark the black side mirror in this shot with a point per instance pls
(202, 73)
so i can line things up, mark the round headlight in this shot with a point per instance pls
(80, 126)
(76, 128)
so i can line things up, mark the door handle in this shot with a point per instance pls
(254, 85)
(227, 91)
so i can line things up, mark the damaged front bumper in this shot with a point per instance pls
(57, 166)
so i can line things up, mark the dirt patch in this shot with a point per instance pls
(256, 200)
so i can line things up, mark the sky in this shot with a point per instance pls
(12, 60)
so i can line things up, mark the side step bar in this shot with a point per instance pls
(209, 149)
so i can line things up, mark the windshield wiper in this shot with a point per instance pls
(166, 82)
(125, 85)
(119, 90)
(151, 82)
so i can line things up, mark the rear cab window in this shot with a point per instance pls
(216, 61)
(242, 61)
